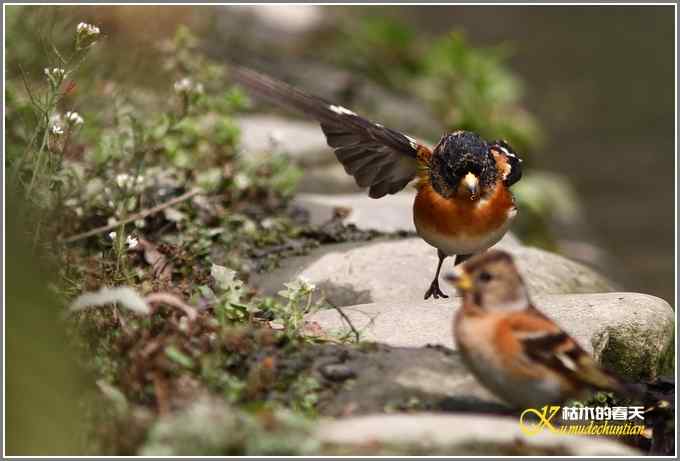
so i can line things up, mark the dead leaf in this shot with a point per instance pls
(161, 267)
(174, 301)
(125, 296)
(313, 329)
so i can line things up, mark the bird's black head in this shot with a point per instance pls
(462, 165)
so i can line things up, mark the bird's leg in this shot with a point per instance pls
(460, 259)
(434, 289)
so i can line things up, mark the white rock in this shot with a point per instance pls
(401, 270)
(328, 179)
(458, 433)
(388, 214)
(630, 333)
(303, 141)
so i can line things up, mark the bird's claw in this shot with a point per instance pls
(435, 291)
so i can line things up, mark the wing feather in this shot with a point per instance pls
(379, 158)
(544, 342)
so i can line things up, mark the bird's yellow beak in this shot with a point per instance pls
(461, 279)
(471, 183)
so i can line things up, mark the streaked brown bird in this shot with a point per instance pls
(513, 349)
(463, 205)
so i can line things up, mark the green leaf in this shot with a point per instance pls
(178, 357)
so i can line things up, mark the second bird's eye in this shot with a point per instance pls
(485, 276)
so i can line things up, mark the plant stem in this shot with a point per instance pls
(142, 214)
(38, 165)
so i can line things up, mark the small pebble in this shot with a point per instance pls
(337, 372)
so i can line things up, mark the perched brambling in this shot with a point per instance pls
(511, 347)
(463, 205)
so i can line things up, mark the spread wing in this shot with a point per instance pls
(544, 342)
(379, 158)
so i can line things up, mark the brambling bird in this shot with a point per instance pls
(512, 348)
(463, 204)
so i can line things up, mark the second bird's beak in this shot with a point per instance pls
(460, 279)
(471, 183)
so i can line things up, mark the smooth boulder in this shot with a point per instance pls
(302, 140)
(629, 333)
(401, 270)
(429, 434)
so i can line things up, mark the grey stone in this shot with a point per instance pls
(388, 214)
(251, 29)
(303, 141)
(386, 270)
(292, 20)
(337, 372)
(629, 333)
(373, 101)
(388, 379)
(428, 433)
(211, 427)
(328, 179)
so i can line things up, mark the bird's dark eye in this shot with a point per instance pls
(485, 277)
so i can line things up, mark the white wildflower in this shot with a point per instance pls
(131, 241)
(55, 76)
(299, 287)
(55, 118)
(112, 235)
(126, 181)
(242, 181)
(89, 29)
(74, 118)
(123, 180)
(57, 130)
(186, 86)
(305, 284)
(183, 86)
(57, 72)
(86, 35)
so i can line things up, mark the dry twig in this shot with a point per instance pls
(174, 301)
(141, 215)
(346, 319)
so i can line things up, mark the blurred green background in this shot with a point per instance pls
(598, 82)
(586, 94)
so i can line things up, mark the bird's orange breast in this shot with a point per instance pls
(455, 217)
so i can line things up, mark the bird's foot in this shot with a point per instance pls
(435, 291)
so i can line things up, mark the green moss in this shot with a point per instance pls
(212, 428)
(637, 358)
(666, 363)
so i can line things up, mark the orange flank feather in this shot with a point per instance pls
(506, 339)
(502, 164)
(461, 217)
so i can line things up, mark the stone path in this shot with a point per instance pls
(427, 433)
(632, 333)
(401, 270)
(409, 362)
(302, 140)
